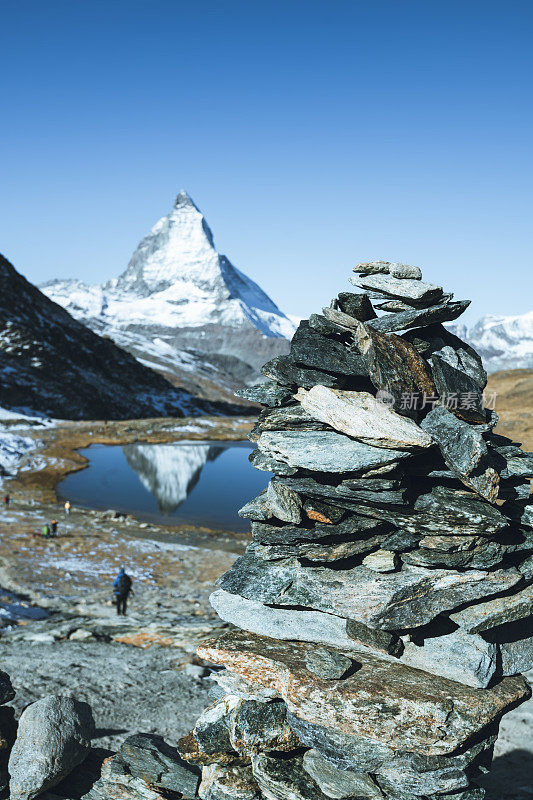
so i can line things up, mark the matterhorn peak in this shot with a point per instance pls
(184, 200)
(181, 306)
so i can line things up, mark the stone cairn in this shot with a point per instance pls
(383, 608)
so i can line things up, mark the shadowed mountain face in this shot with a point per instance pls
(183, 309)
(53, 365)
(170, 473)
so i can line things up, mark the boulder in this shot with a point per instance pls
(54, 736)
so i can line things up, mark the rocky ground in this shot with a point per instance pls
(139, 673)
(83, 646)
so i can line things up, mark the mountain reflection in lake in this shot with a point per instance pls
(200, 483)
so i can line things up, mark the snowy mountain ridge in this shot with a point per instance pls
(504, 342)
(52, 365)
(180, 306)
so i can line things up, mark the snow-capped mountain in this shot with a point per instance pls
(169, 472)
(182, 308)
(51, 364)
(502, 342)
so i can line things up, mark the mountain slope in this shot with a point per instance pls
(182, 308)
(502, 342)
(51, 364)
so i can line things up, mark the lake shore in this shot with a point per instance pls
(125, 667)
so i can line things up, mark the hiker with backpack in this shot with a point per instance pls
(122, 589)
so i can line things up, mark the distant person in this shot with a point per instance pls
(54, 527)
(6, 500)
(122, 589)
(67, 507)
(46, 531)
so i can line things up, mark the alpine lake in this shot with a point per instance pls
(200, 483)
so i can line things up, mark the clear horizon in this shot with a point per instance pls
(311, 135)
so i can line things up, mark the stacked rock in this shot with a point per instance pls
(385, 601)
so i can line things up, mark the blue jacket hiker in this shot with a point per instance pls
(121, 590)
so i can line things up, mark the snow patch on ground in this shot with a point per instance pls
(14, 445)
(13, 448)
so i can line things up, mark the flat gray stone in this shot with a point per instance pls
(383, 491)
(381, 561)
(405, 599)
(150, 758)
(336, 783)
(482, 616)
(395, 368)
(209, 742)
(393, 305)
(443, 312)
(269, 393)
(267, 463)
(285, 371)
(395, 268)
(384, 641)
(328, 664)
(355, 526)
(462, 447)
(324, 451)
(453, 384)
(452, 512)
(277, 501)
(231, 683)
(284, 503)
(280, 623)
(460, 656)
(518, 466)
(517, 656)
(313, 350)
(284, 779)
(464, 451)
(526, 568)
(343, 750)
(450, 544)
(353, 305)
(363, 417)
(257, 726)
(411, 291)
(462, 358)
(488, 554)
(256, 509)
(409, 774)
(286, 418)
(318, 552)
(54, 736)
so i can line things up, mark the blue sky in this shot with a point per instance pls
(312, 134)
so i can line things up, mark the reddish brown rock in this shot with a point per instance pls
(385, 701)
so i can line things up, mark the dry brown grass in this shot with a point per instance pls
(514, 404)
